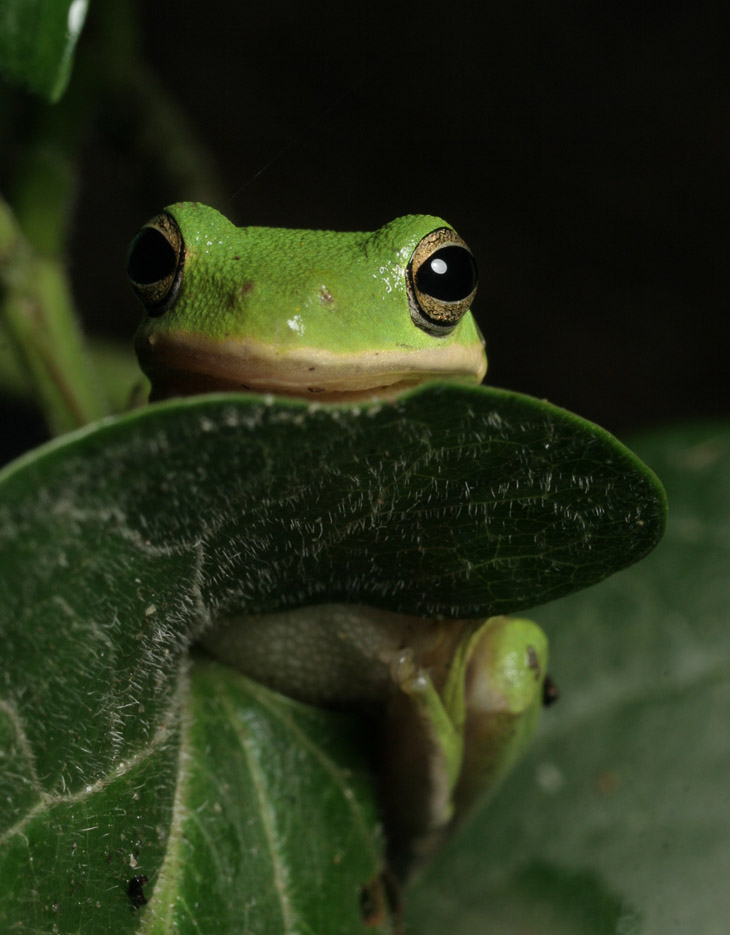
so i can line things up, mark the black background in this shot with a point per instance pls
(583, 152)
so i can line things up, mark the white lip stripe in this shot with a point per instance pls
(266, 368)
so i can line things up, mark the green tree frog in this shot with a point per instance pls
(338, 317)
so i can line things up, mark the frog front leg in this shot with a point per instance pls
(456, 727)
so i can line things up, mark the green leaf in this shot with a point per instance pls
(37, 42)
(119, 543)
(617, 821)
(236, 859)
(198, 813)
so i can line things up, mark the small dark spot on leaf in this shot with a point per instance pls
(373, 902)
(135, 891)
(55, 905)
(380, 900)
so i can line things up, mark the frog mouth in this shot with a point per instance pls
(181, 365)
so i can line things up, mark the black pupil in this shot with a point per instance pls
(151, 258)
(449, 274)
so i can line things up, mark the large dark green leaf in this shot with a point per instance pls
(119, 543)
(37, 41)
(618, 821)
(246, 812)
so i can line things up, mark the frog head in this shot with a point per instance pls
(315, 314)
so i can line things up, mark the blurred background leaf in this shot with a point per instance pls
(37, 42)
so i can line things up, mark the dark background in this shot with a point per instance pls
(581, 150)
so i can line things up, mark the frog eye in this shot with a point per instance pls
(442, 281)
(155, 263)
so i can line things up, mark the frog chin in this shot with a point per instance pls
(179, 365)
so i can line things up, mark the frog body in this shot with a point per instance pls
(462, 698)
(339, 317)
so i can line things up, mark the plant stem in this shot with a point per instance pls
(41, 324)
